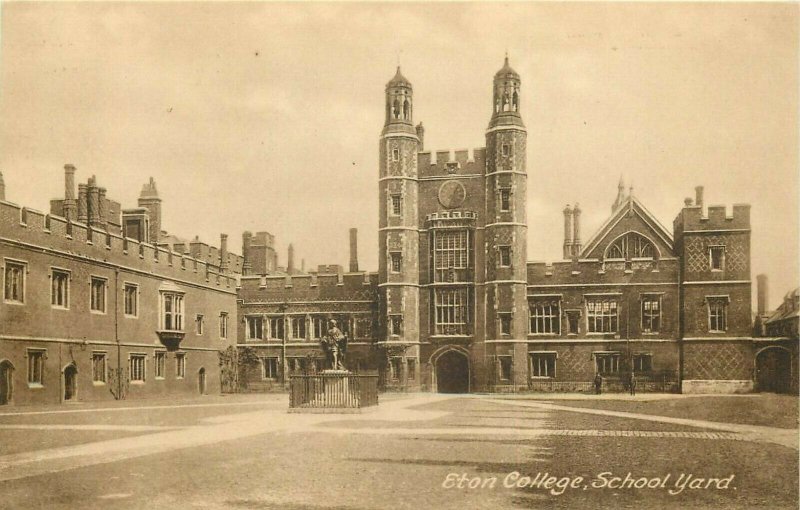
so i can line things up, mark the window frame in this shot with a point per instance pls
(176, 315)
(505, 200)
(31, 355)
(199, 324)
(249, 329)
(452, 317)
(716, 248)
(103, 355)
(281, 326)
(395, 204)
(180, 365)
(223, 325)
(648, 316)
(614, 356)
(504, 258)
(544, 311)
(720, 305)
(273, 363)
(298, 322)
(160, 365)
(395, 262)
(592, 315)
(93, 279)
(543, 359)
(506, 321)
(637, 365)
(67, 274)
(505, 371)
(396, 329)
(126, 287)
(133, 358)
(22, 266)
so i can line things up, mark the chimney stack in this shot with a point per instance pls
(421, 136)
(70, 206)
(93, 202)
(567, 232)
(762, 298)
(223, 253)
(353, 250)
(2, 187)
(698, 196)
(290, 261)
(83, 204)
(246, 264)
(576, 229)
(102, 211)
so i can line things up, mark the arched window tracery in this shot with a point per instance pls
(631, 246)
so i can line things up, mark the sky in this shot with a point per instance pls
(266, 116)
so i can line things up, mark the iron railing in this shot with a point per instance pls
(333, 391)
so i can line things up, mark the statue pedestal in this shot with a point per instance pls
(336, 389)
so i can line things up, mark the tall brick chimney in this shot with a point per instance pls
(290, 261)
(70, 206)
(762, 297)
(568, 232)
(102, 208)
(223, 253)
(421, 136)
(148, 199)
(576, 229)
(93, 207)
(353, 250)
(698, 196)
(247, 264)
(83, 204)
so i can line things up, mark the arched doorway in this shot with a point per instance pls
(70, 383)
(773, 370)
(6, 382)
(201, 381)
(452, 372)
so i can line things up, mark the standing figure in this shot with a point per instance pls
(334, 344)
(598, 384)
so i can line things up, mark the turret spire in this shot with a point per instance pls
(506, 97)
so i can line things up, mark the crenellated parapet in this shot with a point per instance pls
(33, 229)
(452, 162)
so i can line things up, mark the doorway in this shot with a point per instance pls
(70, 383)
(773, 370)
(201, 381)
(6, 387)
(452, 372)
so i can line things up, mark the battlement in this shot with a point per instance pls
(312, 285)
(33, 228)
(461, 161)
(716, 217)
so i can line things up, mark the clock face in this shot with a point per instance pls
(452, 194)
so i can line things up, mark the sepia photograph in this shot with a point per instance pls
(399, 255)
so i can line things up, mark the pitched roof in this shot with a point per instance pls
(631, 203)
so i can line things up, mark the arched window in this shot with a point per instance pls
(406, 109)
(631, 246)
(396, 109)
(515, 101)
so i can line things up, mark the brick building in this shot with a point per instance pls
(458, 307)
(96, 305)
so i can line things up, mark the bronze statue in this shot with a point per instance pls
(334, 345)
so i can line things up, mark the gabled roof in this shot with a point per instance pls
(788, 308)
(631, 203)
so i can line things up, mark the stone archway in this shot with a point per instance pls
(70, 383)
(774, 370)
(452, 372)
(6, 382)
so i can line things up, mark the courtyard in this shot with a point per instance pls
(413, 451)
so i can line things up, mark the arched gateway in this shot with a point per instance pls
(773, 370)
(451, 371)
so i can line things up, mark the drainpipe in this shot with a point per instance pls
(116, 334)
